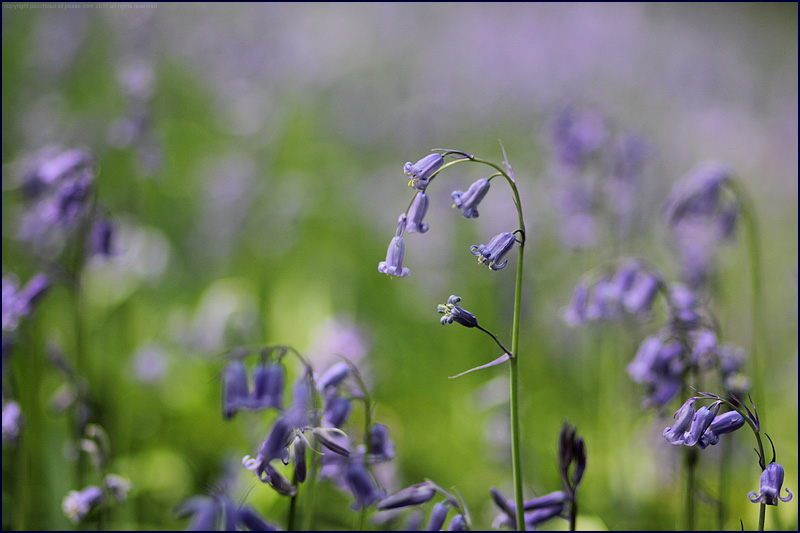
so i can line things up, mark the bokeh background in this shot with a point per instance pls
(250, 156)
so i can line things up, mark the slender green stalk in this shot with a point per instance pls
(748, 211)
(573, 515)
(290, 521)
(725, 460)
(311, 486)
(690, 467)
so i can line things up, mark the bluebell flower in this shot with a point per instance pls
(19, 303)
(337, 413)
(393, 266)
(274, 447)
(117, 486)
(468, 201)
(417, 211)
(455, 313)
(381, 446)
(249, 518)
(205, 512)
(536, 511)
(457, 523)
(77, 504)
(268, 386)
(700, 423)
(361, 485)
(299, 450)
(323, 436)
(438, 516)
(333, 376)
(722, 424)
(683, 419)
(770, 489)
(683, 305)
(236, 394)
(422, 171)
(491, 254)
(576, 312)
(13, 420)
(638, 298)
(571, 453)
(409, 496)
(101, 241)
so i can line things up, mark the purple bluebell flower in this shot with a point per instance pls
(422, 171)
(274, 447)
(333, 376)
(639, 296)
(236, 392)
(19, 303)
(571, 454)
(457, 523)
(491, 254)
(117, 486)
(299, 450)
(13, 420)
(455, 313)
(770, 489)
(577, 136)
(361, 485)
(77, 504)
(249, 518)
(204, 510)
(683, 419)
(697, 193)
(409, 496)
(700, 423)
(722, 424)
(468, 201)
(393, 266)
(576, 312)
(381, 446)
(683, 305)
(337, 413)
(438, 516)
(417, 211)
(268, 386)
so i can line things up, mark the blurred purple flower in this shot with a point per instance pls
(268, 386)
(457, 523)
(236, 394)
(77, 504)
(13, 420)
(381, 446)
(438, 516)
(468, 201)
(19, 304)
(409, 496)
(361, 485)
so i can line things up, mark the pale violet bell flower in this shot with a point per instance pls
(722, 424)
(417, 212)
(700, 423)
(422, 171)
(393, 266)
(771, 482)
(468, 201)
(493, 253)
(683, 419)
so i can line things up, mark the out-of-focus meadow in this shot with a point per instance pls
(250, 158)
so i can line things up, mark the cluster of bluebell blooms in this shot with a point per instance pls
(422, 174)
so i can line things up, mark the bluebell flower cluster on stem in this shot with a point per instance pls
(702, 212)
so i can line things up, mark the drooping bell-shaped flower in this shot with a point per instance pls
(236, 392)
(361, 485)
(409, 496)
(493, 253)
(438, 516)
(722, 424)
(268, 389)
(700, 423)
(422, 171)
(771, 483)
(417, 211)
(468, 201)
(683, 419)
(393, 266)
(455, 313)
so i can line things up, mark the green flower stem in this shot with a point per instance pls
(690, 457)
(290, 521)
(493, 336)
(513, 369)
(311, 488)
(751, 231)
(573, 515)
